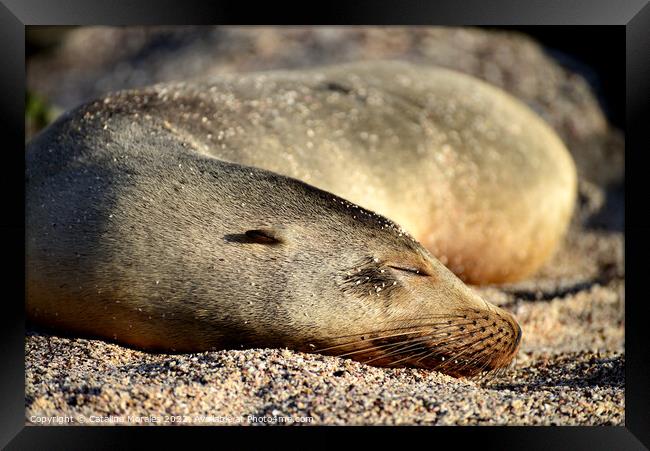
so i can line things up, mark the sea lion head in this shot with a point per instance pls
(424, 315)
(363, 288)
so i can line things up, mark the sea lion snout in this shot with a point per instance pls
(481, 338)
(475, 341)
(472, 335)
(422, 315)
(518, 338)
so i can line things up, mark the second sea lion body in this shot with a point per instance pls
(472, 173)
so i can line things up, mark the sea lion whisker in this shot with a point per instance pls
(440, 335)
(471, 362)
(408, 357)
(488, 375)
(416, 340)
(423, 317)
(375, 348)
(464, 347)
(348, 343)
(485, 365)
(479, 351)
(405, 346)
(450, 339)
(452, 359)
(413, 330)
(410, 326)
(477, 364)
(477, 357)
(481, 363)
(468, 362)
(421, 342)
(484, 352)
(390, 354)
(412, 343)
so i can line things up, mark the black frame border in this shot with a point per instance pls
(634, 15)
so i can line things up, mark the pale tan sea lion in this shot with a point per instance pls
(469, 171)
(162, 218)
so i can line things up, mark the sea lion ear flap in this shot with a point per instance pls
(268, 236)
(264, 236)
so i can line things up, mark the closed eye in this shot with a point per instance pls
(409, 269)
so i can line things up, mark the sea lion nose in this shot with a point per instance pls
(518, 337)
